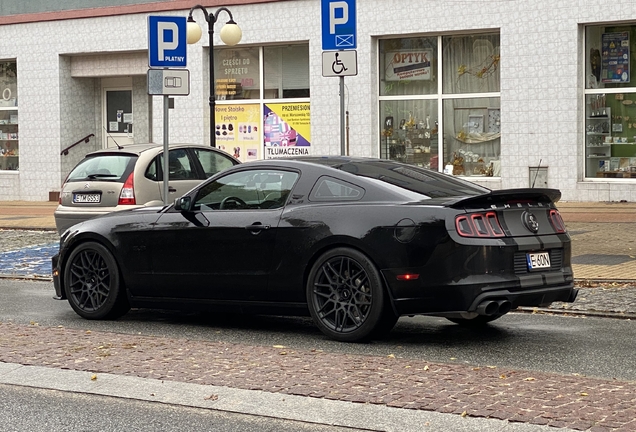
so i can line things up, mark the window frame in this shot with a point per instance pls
(440, 98)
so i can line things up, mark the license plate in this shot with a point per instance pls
(87, 198)
(538, 260)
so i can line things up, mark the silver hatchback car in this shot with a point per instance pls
(116, 179)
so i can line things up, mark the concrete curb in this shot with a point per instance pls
(252, 402)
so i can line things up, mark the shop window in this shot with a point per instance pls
(472, 133)
(408, 66)
(410, 132)
(9, 143)
(275, 122)
(470, 64)
(610, 102)
(286, 72)
(236, 73)
(453, 125)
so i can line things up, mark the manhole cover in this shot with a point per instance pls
(598, 259)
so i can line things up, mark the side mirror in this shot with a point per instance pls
(183, 203)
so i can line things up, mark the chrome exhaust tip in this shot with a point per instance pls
(488, 308)
(504, 307)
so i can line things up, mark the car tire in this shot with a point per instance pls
(478, 321)
(93, 283)
(345, 295)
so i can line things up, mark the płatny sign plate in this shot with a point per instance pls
(538, 260)
(169, 82)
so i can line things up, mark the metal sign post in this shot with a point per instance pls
(339, 33)
(167, 47)
(340, 64)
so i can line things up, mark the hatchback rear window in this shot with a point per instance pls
(106, 167)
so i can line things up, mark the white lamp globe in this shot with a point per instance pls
(193, 32)
(231, 33)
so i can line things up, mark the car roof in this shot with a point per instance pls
(138, 149)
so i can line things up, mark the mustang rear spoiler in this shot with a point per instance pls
(504, 196)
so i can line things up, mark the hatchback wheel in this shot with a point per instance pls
(345, 295)
(93, 284)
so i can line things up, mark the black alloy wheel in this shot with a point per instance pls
(92, 282)
(345, 295)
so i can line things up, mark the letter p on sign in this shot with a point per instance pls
(333, 19)
(168, 40)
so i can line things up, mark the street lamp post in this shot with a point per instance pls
(230, 35)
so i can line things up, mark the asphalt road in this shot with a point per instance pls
(38, 410)
(594, 347)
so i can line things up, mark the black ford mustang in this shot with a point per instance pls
(354, 242)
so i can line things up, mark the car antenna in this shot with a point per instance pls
(113, 138)
(536, 173)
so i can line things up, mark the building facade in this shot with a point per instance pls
(504, 93)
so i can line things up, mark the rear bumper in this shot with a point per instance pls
(468, 301)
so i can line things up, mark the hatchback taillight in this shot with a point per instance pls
(557, 221)
(484, 225)
(127, 195)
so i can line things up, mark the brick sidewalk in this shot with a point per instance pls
(539, 398)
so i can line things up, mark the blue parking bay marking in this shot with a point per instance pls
(29, 261)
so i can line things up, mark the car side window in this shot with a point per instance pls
(245, 190)
(212, 162)
(332, 189)
(179, 166)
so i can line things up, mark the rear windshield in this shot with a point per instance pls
(104, 167)
(422, 181)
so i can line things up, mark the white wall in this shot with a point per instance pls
(541, 81)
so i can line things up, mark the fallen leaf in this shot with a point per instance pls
(88, 332)
(93, 377)
(212, 397)
(453, 358)
(464, 414)
(476, 368)
(282, 353)
(502, 376)
(391, 356)
(279, 346)
(33, 323)
(529, 379)
(425, 368)
(584, 394)
(491, 367)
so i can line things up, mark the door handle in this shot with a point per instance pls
(257, 227)
(171, 189)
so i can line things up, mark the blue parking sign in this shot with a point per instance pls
(167, 44)
(338, 25)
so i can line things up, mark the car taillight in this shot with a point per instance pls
(127, 195)
(485, 225)
(557, 221)
(59, 198)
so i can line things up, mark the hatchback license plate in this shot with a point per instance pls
(538, 260)
(87, 198)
